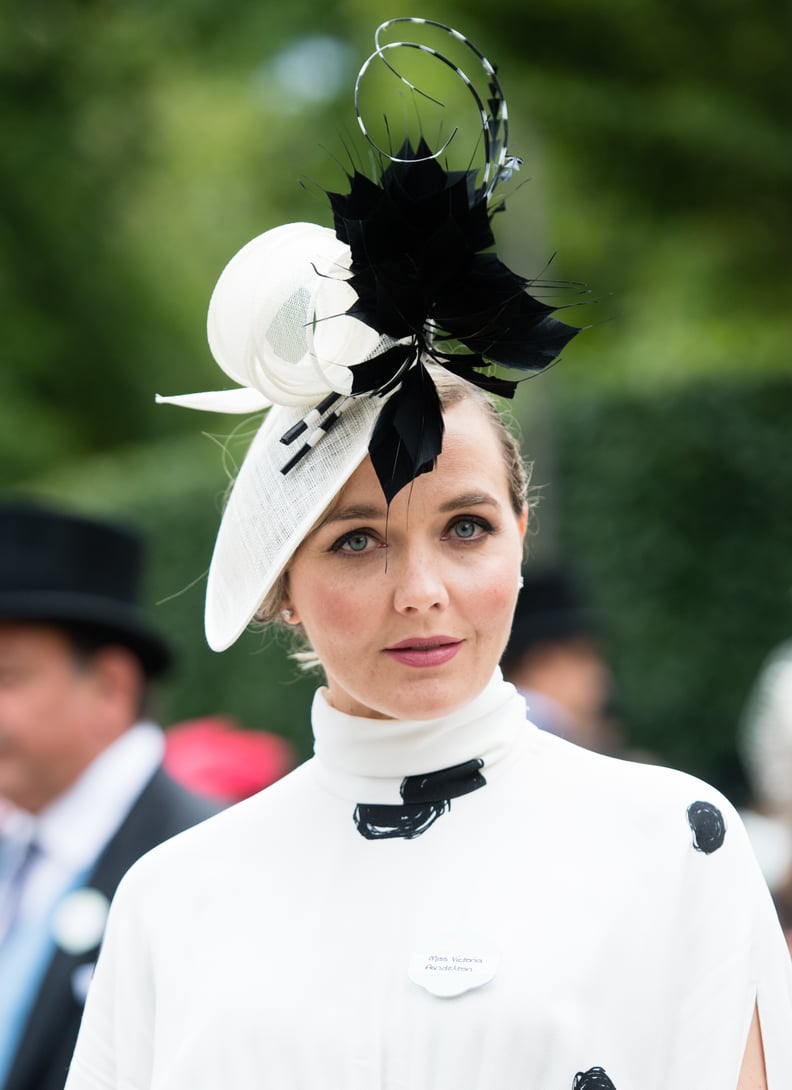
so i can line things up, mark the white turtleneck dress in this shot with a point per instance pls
(572, 921)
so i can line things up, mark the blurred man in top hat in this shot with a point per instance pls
(556, 659)
(82, 793)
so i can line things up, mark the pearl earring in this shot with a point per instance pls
(521, 583)
(286, 615)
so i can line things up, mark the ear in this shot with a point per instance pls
(118, 674)
(117, 682)
(522, 522)
(287, 613)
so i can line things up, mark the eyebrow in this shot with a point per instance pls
(357, 512)
(354, 512)
(469, 499)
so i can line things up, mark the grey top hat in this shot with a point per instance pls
(61, 567)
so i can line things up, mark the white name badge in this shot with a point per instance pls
(453, 965)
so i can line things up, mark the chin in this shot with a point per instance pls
(434, 702)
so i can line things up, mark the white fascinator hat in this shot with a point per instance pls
(269, 329)
(331, 330)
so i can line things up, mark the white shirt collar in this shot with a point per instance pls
(76, 826)
(353, 745)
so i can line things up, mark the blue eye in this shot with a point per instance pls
(357, 541)
(468, 529)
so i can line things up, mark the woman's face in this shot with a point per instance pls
(409, 609)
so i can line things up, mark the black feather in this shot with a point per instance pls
(408, 434)
(424, 273)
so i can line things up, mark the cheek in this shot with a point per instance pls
(29, 722)
(495, 588)
(329, 609)
(64, 708)
(490, 606)
(499, 607)
(22, 708)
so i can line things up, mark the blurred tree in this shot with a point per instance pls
(144, 143)
(675, 509)
(139, 143)
(74, 104)
(666, 143)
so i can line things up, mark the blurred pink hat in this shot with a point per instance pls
(215, 757)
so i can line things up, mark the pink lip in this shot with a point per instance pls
(424, 650)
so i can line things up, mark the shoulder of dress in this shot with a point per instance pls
(232, 832)
(636, 788)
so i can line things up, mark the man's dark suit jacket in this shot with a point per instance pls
(42, 1059)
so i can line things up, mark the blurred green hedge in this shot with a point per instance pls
(674, 507)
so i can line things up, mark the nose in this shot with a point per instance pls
(419, 582)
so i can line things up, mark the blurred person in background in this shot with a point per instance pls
(555, 658)
(82, 791)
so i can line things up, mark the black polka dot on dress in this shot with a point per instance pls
(596, 1078)
(707, 825)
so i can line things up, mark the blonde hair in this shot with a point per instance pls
(451, 390)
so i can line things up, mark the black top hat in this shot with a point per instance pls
(550, 607)
(59, 567)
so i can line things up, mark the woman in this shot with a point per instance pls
(443, 896)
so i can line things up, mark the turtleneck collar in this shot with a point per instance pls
(484, 728)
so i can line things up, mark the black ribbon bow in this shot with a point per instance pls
(426, 798)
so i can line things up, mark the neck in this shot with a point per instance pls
(483, 728)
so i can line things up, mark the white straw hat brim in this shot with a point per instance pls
(269, 513)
